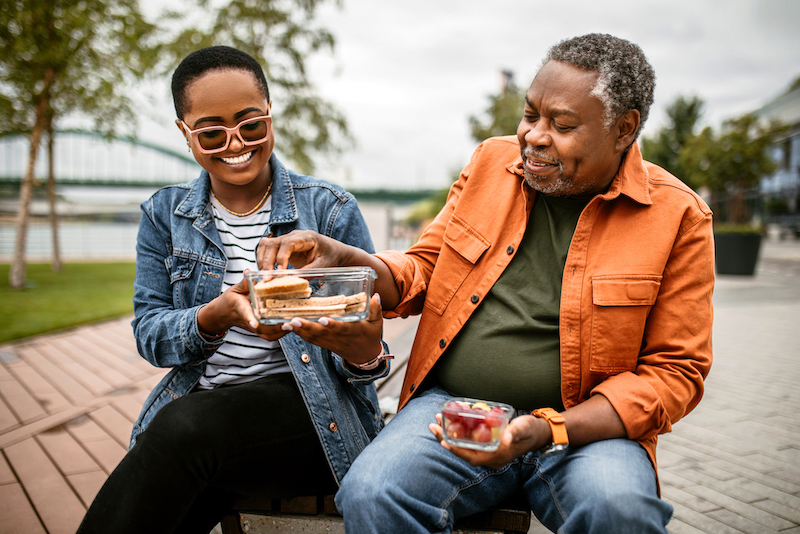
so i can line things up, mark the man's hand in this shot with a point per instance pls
(305, 248)
(523, 434)
(357, 342)
(301, 248)
(592, 420)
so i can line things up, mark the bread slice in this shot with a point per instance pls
(305, 311)
(314, 306)
(312, 302)
(282, 286)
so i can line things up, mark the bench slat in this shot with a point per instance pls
(318, 514)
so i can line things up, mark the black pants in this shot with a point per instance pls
(203, 451)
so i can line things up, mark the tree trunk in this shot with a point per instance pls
(16, 276)
(51, 195)
(737, 207)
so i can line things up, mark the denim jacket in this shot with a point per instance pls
(180, 266)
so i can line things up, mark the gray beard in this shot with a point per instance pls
(552, 188)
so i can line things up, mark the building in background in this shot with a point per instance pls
(781, 190)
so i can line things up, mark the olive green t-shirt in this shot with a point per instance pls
(509, 349)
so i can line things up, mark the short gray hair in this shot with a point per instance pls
(626, 79)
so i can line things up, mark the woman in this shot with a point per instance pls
(247, 409)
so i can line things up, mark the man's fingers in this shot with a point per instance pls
(265, 254)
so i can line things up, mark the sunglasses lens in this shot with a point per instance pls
(254, 131)
(212, 139)
(216, 139)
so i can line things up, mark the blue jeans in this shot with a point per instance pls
(405, 481)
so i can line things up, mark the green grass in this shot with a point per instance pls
(80, 293)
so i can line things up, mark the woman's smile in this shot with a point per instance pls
(238, 160)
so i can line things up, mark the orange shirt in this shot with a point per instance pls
(636, 312)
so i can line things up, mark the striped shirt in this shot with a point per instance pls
(243, 356)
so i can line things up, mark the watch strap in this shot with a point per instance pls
(558, 428)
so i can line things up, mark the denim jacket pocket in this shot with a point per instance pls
(462, 246)
(620, 307)
(180, 268)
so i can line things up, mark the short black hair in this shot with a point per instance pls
(201, 61)
(626, 79)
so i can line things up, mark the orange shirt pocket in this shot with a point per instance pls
(620, 307)
(462, 246)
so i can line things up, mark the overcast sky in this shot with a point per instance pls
(407, 74)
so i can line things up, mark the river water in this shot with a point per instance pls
(113, 236)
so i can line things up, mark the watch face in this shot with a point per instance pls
(552, 450)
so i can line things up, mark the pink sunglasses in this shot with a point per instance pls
(213, 139)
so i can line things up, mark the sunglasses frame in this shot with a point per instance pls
(229, 132)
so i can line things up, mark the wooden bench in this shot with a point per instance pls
(318, 514)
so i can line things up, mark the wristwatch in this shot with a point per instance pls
(558, 428)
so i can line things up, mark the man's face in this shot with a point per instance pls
(566, 150)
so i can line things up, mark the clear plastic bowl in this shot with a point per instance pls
(473, 423)
(341, 293)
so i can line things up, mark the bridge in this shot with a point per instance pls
(102, 180)
(83, 157)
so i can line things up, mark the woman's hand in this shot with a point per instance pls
(301, 248)
(523, 434)
(233, 308)
(357, 342)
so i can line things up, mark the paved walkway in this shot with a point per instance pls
(68, 401)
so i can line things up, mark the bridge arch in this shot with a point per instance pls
(83, 157)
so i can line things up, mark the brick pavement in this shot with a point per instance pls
(731, 466)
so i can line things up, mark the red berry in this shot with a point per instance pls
(456, 430)
(494, 422)
(470, 422)
(482, 433)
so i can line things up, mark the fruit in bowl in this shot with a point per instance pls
(473, 423)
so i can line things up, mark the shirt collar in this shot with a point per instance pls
(284, 207)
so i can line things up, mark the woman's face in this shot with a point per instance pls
(226, 98)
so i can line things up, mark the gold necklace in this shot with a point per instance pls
(246, 213)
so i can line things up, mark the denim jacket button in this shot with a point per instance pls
(305, 358)
(334, 427)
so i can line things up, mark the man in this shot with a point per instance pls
(564, 275)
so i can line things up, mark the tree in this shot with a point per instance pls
(731, 162)
(501, 118)
(282, 36)
(504, 111)
(665, 147)
(64, 56)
